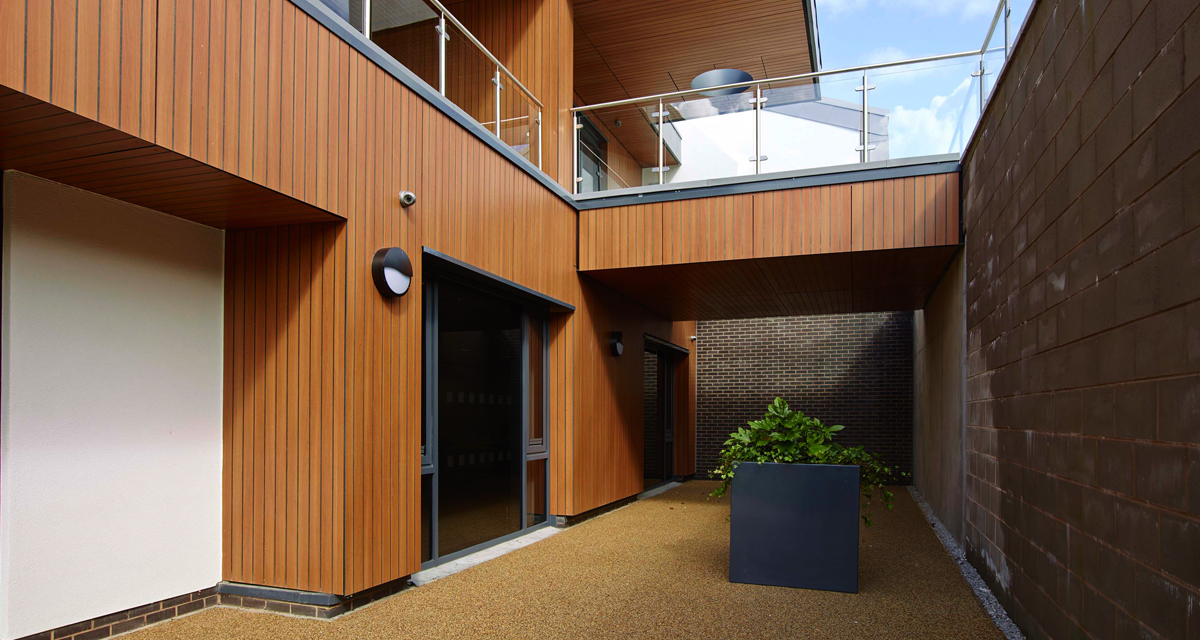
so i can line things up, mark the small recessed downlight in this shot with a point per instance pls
(392, 271)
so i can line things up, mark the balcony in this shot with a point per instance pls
(730, 127)
(435, 46)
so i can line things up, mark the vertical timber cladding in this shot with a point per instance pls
(919, 211)
(264, 91)
(284, 406)
(318, 121)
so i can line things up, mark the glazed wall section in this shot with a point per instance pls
(1083, 318)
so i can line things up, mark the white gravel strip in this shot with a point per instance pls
(985, 595)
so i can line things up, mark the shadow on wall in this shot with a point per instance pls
(849, 369)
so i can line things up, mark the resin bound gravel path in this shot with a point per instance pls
(654, 569)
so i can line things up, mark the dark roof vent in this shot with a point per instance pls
(718, 77)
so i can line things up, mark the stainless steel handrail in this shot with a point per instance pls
(1001, 8)
(799, 76)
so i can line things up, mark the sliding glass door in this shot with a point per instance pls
(485, 448)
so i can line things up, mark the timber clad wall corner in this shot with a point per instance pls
(1082, 210)
(849, 369)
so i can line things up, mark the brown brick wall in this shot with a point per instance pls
(130, 619)
(852, 369)
(1081, 206)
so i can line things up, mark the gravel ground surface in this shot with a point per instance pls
(981, 589)
(654, 569)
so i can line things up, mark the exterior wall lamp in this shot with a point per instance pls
(392, 272)
(616, 343)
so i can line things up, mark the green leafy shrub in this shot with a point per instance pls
(790, 436)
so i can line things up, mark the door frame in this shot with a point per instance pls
(429, 451)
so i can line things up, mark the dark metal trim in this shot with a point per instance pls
(283, 595)
(455, 267)
(813, 35)
(759, 186)
(655, 343)
(380, 57)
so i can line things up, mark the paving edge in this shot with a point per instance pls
(974, 580)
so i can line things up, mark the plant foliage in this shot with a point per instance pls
(790, 436)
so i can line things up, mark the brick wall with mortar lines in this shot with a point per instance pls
(851, 369)
(1081, 207)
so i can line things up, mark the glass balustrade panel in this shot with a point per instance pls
(518, 120)
(811, 123)
(470, 78)
(707, 136)
(923, 109)
(618, 148)
(407, 31)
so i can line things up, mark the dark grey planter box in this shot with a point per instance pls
(795, 525)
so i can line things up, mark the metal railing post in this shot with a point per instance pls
(1007, 37)
(443, 37)
(498, 88)
(758, 129)
(660, 141)
(366, 18)
(575, 177)
(982, 75)
(866, 146)
(539, 124)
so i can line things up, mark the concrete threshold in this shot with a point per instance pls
(662, 488)
(466, 562)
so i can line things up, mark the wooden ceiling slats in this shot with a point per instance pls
(620, 51)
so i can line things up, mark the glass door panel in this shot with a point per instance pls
(480, 452)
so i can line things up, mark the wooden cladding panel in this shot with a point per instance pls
(896, 213)
(85, 56)
(60, 145)
(604, 451)
(284, 406)
(908, 212)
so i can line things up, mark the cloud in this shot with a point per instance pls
(966, 8)
(886, 54)
(931, 130)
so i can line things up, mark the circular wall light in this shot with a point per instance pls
(392, 271)
(718, 77)
(616, 343)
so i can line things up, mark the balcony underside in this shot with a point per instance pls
(851, 246)
(852, 282)
(53, 143)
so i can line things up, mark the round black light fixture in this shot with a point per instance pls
(392, 272)
(616, 343)
(718, 77)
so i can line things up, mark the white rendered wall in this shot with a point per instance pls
(110, 432)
